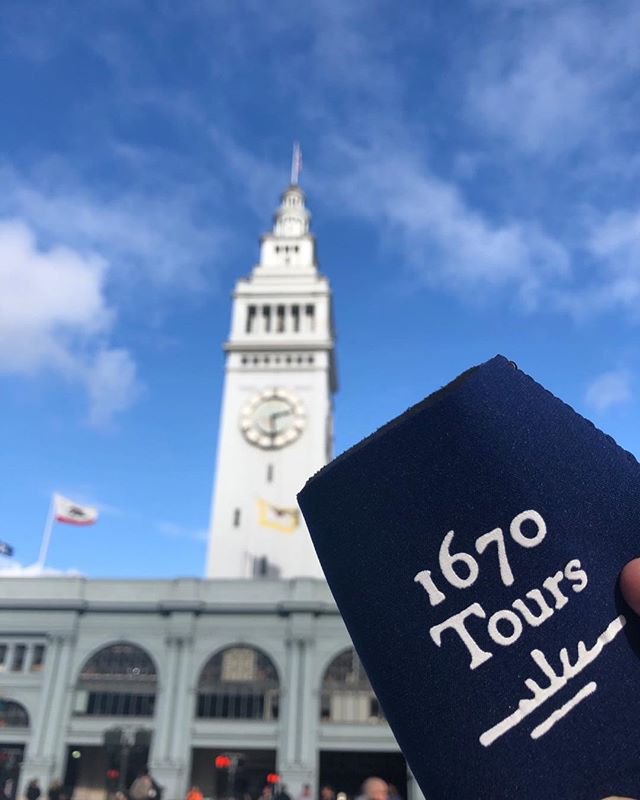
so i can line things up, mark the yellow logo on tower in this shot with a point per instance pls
(284, 520)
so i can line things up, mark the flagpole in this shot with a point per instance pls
(46, 535)
(295, 164)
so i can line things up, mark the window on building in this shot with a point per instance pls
(238, 683)
(295, 316)
(269, 473)
(120, 704)
(251, 319)
(280, 320)
(266, 313)
(236, 518)
(346, 694)
(3, 657)
(310, 313)
(13, 715)
(37, 658)
(19, 655)
(119, 680)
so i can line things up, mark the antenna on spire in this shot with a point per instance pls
(296, 163)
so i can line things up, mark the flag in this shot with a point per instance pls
(296, 164)
(67, 511)
(5, 549)
(284, 520)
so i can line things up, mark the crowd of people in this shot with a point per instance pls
(54, 792)
(144, 787)
(373, 788)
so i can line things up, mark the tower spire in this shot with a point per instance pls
(296, 163)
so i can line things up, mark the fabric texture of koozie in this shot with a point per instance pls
(473, 546)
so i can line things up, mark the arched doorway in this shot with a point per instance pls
(237, 683)
(346, 698)
(346, 694)
(118, 683)
(14, 719)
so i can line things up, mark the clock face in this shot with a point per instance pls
(273, 419)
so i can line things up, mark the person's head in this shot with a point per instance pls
(375, 789)
(327, 793)
(195, 788)
(267, 791)
(306, 789)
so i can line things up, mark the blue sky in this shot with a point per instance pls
(472, 169)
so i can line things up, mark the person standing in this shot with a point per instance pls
(327, 793)
(144, 787)
(305, 794)
(33, 790)
(375, 789)
(55, 791)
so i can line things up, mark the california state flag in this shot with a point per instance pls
(67, 511)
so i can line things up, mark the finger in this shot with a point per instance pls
(630, 584)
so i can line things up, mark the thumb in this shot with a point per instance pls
(630, 584)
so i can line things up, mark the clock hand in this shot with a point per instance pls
(277, 414)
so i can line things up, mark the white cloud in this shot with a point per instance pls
(616, 239)
(148, 234)
(46, 298)
(54, 317)
(67, 252)
(112, 385)
(609, 390)
(548, 82)
(612, 241)
(446, 240)
(9, 568)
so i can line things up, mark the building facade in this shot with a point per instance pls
(249, 673)
(259, 672)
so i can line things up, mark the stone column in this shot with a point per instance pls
(45, 751)
(309, 711)
(183, 714)
(297, 756)
(171, 747)
(165, 700)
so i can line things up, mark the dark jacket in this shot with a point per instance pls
(33, 791)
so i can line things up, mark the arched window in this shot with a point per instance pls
(238, 683)
(347, 695)
(117, 681)
(13, 715)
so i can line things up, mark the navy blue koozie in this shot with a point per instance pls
(473, 546)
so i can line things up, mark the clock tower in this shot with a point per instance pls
(276, 419)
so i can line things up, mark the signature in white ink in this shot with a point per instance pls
(540, 695)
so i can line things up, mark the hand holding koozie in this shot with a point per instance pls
(473, 547)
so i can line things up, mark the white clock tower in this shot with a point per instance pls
(276, 421)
